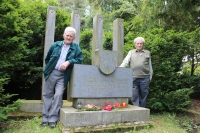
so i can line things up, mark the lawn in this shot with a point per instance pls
(182, 122)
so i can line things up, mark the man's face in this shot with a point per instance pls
(139, 45)
(68, 37)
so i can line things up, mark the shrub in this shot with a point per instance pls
(5, 105)
(177, 100)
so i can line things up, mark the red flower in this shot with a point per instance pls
(117, 105)
(109, 107)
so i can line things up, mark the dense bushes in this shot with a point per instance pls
(5, 104)
(171, 101)
(86, 46)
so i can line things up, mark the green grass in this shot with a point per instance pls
(164, 123)
(31, 126)
(161, 123)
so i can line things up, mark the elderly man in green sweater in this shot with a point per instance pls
(140, 61)
(60, 59)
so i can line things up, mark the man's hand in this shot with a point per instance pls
(64, 66)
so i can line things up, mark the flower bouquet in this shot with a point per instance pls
(109, 107)
(91, 107)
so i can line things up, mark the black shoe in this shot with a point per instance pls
(52, 124)
(44, 124)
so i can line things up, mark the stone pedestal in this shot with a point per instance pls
(71, 117)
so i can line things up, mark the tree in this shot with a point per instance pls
(194, 50)
(11, 36)
(179, 15)
(25, 60)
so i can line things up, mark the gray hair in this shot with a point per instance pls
(139, 38)
(70, 29)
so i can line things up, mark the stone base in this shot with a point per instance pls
(71, 117)
(36, 105)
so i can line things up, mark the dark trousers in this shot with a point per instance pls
(140, 91)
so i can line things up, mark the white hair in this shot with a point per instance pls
(70, 29)
(139, 38)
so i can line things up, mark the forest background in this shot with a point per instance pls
(171, 30)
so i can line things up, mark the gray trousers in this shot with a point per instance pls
(52, 96)
(140, 91)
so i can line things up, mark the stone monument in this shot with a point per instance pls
(102, 82)
(96, 84)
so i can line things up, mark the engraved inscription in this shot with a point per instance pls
(103, 85)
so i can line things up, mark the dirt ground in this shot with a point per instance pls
(195, 110)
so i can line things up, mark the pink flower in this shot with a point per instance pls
(89, 106)
(107, 103)
(109, 107)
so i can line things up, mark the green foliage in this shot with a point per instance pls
(85, 44)
(5, 105)
(62, 21)
(194, 50)
(21, 47)
(87, 57)
(179, 15)
(190, 81)
(108, 42)
(177, 100)
(9, 36)
(86, 39)
(156, 103)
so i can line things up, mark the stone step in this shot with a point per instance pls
(71, 117)
(36, 105)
